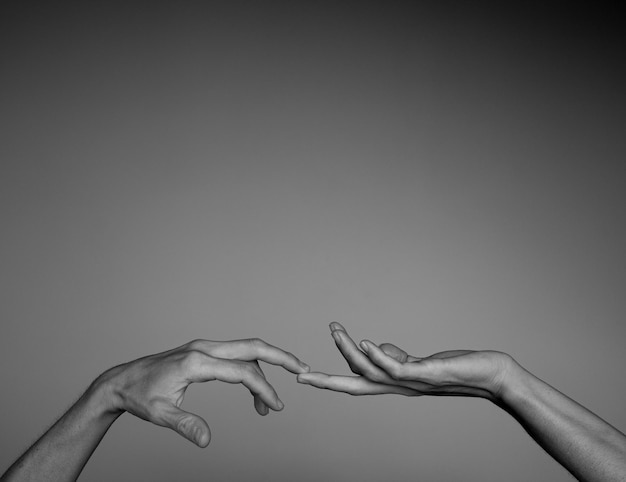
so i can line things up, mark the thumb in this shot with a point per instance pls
(397, 353)
(191, 426)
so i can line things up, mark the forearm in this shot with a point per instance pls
(590, 448)
(62, 452)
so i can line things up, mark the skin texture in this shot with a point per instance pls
(587, 446)
(152, 388)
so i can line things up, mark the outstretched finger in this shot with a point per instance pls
(252, 349)
(353, 385)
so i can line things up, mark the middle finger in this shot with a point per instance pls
(358, 361)
(259, 404)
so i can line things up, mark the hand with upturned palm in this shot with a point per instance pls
(387, 368)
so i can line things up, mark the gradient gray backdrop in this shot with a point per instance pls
(437, 176)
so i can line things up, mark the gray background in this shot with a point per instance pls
(437, 176)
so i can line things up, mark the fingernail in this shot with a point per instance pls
(199, 437)
(336, 336)
(364, 346)
(280, 404)
(199, 440)
(305, 379)
(305, 367)
(336, 326)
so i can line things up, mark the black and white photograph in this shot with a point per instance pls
(312, 241)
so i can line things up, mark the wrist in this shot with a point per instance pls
(514, 378)
(104, 394)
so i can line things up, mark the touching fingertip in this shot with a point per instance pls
(335, 326)
(203, 440)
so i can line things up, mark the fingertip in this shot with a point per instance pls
(334, 326)
(365, 345)
(260, 407)
(394, 352)
(279, 405)
(200, 435)
(203, 440)
(188, 425)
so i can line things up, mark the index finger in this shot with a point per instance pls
(354, 385)
(253, 349)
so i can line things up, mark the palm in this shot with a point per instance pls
(389, 369)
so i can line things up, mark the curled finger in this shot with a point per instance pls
(357, 360)
(259, 404)
(236, 371)
(398, 353)
(424, 371)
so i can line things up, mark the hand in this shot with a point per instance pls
(153, 388)
(389, 369)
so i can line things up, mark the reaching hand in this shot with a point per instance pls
(587, 446)
(389, 369)
(153, 387)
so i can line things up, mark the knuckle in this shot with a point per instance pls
(397, 372)
(154, 408)
(257, 342)
(195, 344)
(375, 376)
(193, 358)
(246, 369)
(185, 424)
